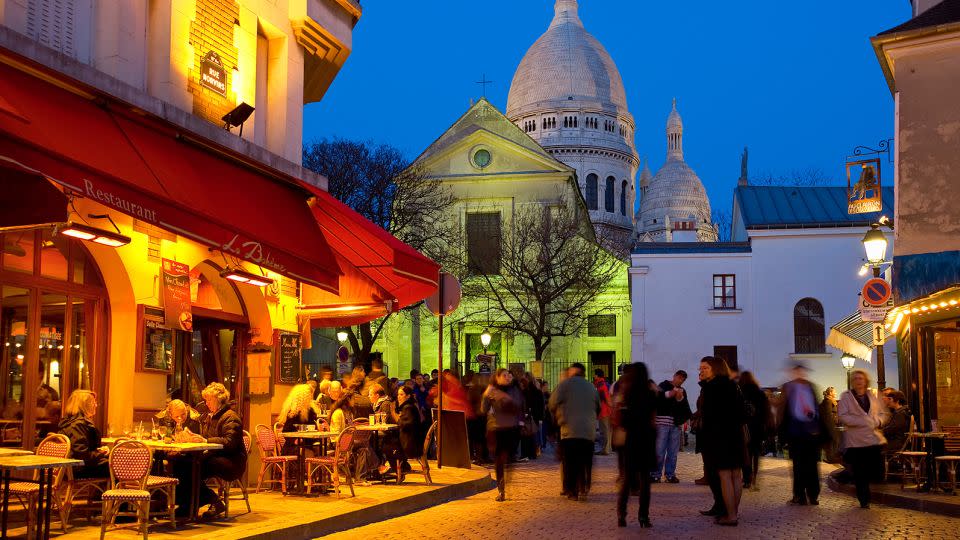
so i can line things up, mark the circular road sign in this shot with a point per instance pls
(876, 292)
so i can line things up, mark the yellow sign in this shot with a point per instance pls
(863, 196)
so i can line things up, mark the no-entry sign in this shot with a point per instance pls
(876, 292)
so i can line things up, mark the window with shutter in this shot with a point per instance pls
(483, 243)
(58, 24)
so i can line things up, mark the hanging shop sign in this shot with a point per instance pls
(863, 195)
(175, 282)
(212, 74)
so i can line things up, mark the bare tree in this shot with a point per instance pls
(378, 182)
(811, 176)
(550, 274)
(723, 221)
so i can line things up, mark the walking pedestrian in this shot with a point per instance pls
(862, 414)
(803, 431)
(635, 437)
(673, 410)
(603, 390)
(503, 405)
(758, 426)
(828, 411)
(723, 446)
(575, 404)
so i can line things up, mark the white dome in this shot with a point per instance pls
(566, 64)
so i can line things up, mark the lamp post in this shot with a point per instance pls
(342, 335)
(848, 361)
(875, 245)
(485, 338)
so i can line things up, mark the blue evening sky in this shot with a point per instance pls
(797, 82)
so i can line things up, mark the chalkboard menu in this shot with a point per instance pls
(286, 347)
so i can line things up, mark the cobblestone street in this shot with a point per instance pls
(534, 509)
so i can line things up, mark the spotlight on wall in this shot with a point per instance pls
(242, 276)
(93, 234)
(237, 117)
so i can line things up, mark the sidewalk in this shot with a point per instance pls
(288, 517)
(891, 495)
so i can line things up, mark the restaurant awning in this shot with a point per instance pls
(854, 336)
(395, 273)
(147, 168)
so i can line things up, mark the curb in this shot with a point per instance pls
(378, 512)
(900, 501)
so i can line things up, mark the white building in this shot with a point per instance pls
(568, 96)
(765, 299)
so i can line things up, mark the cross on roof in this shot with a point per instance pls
(483, 82)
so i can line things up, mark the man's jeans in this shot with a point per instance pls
(668, 445)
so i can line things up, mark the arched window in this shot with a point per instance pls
(808, 327)
(609, 195)
(623, 198)
(592, 191)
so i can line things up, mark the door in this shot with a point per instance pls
(603, 360)
(212, 352)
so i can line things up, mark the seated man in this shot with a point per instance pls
(897, 428)
(176, 417)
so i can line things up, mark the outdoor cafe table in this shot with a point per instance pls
(45, 466)
(931, 448)
(301, 438)
(10, 452)
(194, 450)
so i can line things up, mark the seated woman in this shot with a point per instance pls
(77, 424)
(177, 417)
(223, 427)
(411, 425)
(298, 408)
(341, 414)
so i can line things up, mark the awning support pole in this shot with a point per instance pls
(440, 374)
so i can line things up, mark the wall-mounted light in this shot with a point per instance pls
(237, 117)
(242, 276)
(92, 234)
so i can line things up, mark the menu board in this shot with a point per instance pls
(287, 359)
(175, 283)
(155, 342)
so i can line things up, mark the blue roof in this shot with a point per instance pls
(653, 248)
(791, 207)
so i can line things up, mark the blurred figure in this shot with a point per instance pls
(862, 414)
(803, 431)
(635, 438)
(758, 425)
(828, 411)
(377, 376)
(533, 397)
(503, 404)
(603, 390)
(575, 404)
(673, 410)
(723, 445)
(477, 426)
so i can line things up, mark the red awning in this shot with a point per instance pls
(141, 166)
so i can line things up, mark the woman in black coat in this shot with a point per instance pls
(84, 435)
(411, 424)
(635, 436)
(758, 424)
(723, 445)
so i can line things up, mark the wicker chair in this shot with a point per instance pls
(129, 469)
(951, 446)
(424, 462)
(331, 465)
(168, 486)
(226, 488)
(54, 445)
(912, 457)
(270, 458)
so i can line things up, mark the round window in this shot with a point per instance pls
(481, 158)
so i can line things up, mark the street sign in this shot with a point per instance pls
(878, 334)
(451, 296)
(870, 313)
(876, 292)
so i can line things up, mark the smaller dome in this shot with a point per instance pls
(674, 122)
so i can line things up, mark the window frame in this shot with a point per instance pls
(809, 341)
(475, 264)
(723, 297)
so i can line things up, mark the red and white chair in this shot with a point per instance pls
(54, 445)
(331, 465)
(129, 470)
(270, 458)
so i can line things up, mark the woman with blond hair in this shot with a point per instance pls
(862, 413)
(77, 424)
(298, 408)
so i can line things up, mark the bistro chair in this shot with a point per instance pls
(54, 445)
(912, 457)
(360, 450)
(331, 465)
(270, 458)
(168, 486)
(225, 488)
(129, 469)
(423, 459)
(951, 445)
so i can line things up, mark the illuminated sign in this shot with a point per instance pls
(212, 74)
(863, 196)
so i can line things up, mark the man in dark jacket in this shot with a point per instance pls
(895, 431)
(801, 427)
(673, 410)
(377, 376)
(576, 404)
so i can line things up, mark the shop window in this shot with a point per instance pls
(592, 189)
(808, 327)
(609, 194)
(724, 291)
(483, 243)
(602, 326)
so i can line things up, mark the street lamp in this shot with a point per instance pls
(485, 338)
(341, 335)
(875, 244)
(848, 361)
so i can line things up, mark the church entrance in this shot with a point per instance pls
(604, 360)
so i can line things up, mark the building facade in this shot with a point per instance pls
(921, 62)
(567, 95)
(761, 301)
(493, 171)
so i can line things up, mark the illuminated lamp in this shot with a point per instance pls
(875, 245)
(242, 276)
(341, 336)
(485, 339)
(92, 234)
(237, 117)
